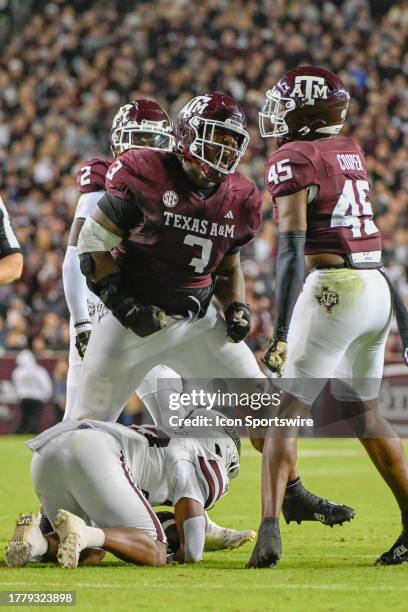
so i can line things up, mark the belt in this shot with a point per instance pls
(339, 266)
(335, 266)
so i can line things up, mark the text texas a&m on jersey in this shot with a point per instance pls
(339, 213)
(175, 238)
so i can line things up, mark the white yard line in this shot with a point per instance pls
(299, 585)
(316, 452)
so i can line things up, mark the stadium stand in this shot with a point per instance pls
(73, 63)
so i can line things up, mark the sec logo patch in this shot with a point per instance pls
(170, 199)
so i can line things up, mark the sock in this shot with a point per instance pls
(404, 516)
(293, 484)
(41, 547)
(270, 521)
(95, 537)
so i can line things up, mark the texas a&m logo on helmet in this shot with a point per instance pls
(210, 131)
(309, 88)
(306, 103)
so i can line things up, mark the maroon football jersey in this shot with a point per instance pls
(91, 175)
(339, 214)
(183, 237)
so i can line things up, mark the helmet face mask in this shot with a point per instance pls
(210, 133)
(306, 103)
(210, 143)
(140, 124)
(272, 115)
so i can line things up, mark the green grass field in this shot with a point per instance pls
(322, 568)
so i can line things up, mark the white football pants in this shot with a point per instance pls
(338, 330)
(116, 360)
(85, 472)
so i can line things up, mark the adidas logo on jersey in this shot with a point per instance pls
(229, 215)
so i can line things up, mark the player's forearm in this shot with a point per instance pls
(230, 287)
(290, 268)
(94, 245)
(11, 267)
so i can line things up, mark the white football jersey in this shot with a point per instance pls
(177, 465)
(166, 464)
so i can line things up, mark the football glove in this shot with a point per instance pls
(238, 318)
(141, 320)
(275, 356)
(82, 334)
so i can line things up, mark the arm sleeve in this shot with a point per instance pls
(290, 267)
(125, 214)
(194, 538)
(186, 483)
(75, 287)
(8, 240)
(87, 204)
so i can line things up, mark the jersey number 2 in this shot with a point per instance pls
(199, 263)
(352, 205)
(85, 178)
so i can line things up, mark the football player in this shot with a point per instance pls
(333, 325)
(139, 124)
(98, 482)
(168, 226)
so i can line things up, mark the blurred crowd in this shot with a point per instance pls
(67, 66)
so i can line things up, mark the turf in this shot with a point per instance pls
(322, 568)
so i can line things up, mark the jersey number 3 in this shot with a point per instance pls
(199, 263)
(353, 209)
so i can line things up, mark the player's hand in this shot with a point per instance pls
(238, 318)
(141, 320)
(82, 334)
(275, 356)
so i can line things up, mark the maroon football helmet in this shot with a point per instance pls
(210, 131)
(141, 123)
(306, 103)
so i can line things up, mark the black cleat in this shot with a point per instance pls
(268, 547)
(301, 505)
(398, 553)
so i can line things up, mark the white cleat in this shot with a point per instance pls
(26, 542)
(220, 538)
(71, 530)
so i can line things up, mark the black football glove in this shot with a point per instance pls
(275, 356)
(141, 320)
(238, 318)
(82, 334)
